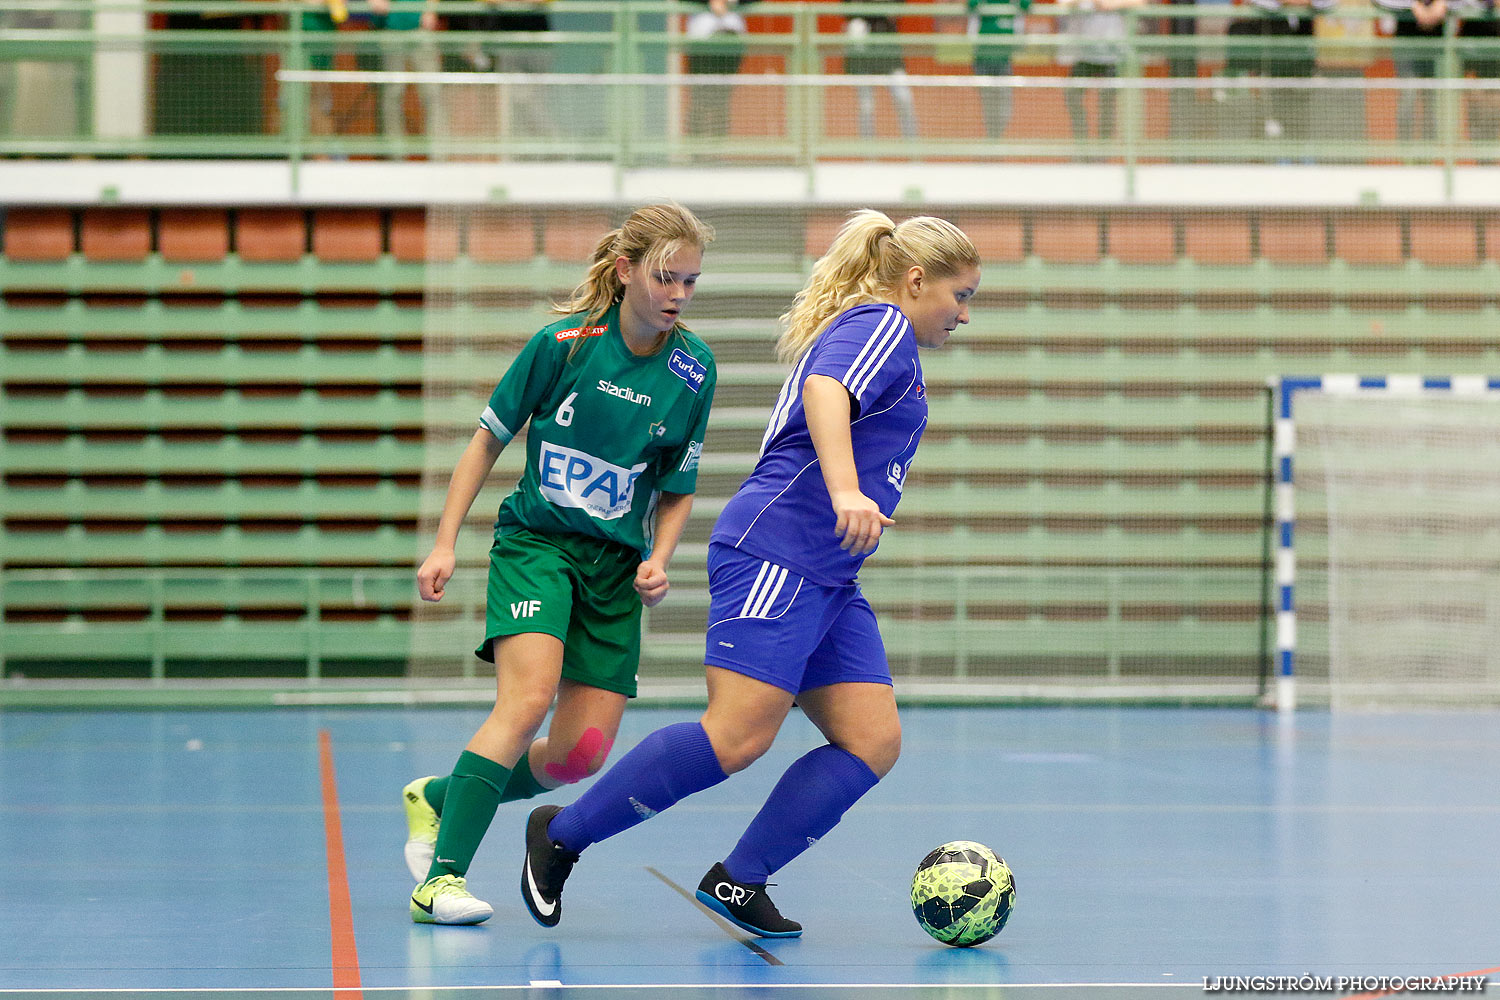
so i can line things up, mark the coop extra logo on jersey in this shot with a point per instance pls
(581, 331)
(571, 478)
(687, 368)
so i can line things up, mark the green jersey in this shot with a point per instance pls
(609, 430)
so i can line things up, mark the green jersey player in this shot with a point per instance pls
(617, 395)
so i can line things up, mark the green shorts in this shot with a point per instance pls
(576, 588)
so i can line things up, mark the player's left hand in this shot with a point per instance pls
(651, 583)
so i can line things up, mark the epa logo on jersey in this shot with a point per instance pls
(688, 368)
(571, 478)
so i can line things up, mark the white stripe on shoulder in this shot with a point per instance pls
(782, 411)
(875, 338)
(892, 341)
(492, 423)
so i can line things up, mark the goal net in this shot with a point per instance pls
(1396, 525)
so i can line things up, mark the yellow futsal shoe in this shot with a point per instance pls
(421, 829)
(443, 899)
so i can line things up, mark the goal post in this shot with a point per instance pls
(1387, 527)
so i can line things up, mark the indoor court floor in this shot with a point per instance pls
(257, 853)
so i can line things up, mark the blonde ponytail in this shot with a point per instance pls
(866, 263)
(650, 236)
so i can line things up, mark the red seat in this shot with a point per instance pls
(1143, 238)
(38, 234)
(192, 235)
(1000, 237)
(1217, 238)
(1294, 237)
(347, 235)
(116, 234)
(270, 234)
(1445, 240)
(572, 235)
(1065, 237)
(500, 235)
(1373, 239)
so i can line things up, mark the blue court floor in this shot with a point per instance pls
(203, 852)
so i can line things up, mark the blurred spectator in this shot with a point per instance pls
(1182, 64)
(523, 107)
(1098, 27)
(715, 47)
(994, 60)
(864, 59)
(1481, 21)
(1419, 33)
(406, 45)
(40, 97)
(1288, 111)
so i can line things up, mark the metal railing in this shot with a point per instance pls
(124, 79)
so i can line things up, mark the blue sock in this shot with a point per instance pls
(809, 800)
(670, 764)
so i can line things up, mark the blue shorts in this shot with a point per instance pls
(766, 622)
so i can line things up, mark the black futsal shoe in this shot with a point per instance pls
(744, 904)
(546, 868)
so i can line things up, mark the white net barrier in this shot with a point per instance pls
(1398, 547)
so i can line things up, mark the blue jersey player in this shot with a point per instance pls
(786, 617)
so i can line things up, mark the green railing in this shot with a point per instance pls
(247, 81)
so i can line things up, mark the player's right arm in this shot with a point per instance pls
(825, 401)
(473, 467)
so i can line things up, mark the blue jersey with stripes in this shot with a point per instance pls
(782, 513)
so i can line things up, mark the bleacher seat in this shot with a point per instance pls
(116, 234)
(1294, 238)
(498, 236)
(570, 235)
(1214, 238)
(1065, 237)
(1372, 239)
(1000, 237)
(270, 234)
(1444, 240)
(408, 240)
(192, 235)
(38, 234)
(347, 235)
(1142, 237)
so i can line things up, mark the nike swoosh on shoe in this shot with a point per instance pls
(545, 908)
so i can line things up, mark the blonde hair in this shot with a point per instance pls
(650, 236)
(866, 263)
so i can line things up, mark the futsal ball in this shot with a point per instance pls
(962, 893)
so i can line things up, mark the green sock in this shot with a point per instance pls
(435, 791)
(522, 783)
(468, 807)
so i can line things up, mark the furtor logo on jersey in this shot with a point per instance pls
(571, 478)
(580, 331)
(688, 368)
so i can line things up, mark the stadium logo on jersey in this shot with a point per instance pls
(623, 392)
(688, 368)
(581, 331)
(571, 478)
(690, 460)
(896, 473)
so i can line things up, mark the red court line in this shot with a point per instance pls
(1388, 993)
(340, 914)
